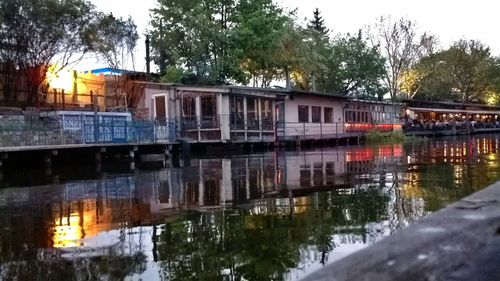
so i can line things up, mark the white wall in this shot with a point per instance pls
(294, 128)
(148, 102)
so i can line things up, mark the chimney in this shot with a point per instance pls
(148, 66)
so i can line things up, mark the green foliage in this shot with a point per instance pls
(267, 39)
(113, 39)
(402, 46)
(318, 23)
(263, 246)
(353, 68)
(465, 72)
(172, 75)
(34, 34)
(376, 136)
(257, 42)
(197, 36)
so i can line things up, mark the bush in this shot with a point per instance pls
(376, 136)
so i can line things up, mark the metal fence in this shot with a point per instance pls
(84, 130)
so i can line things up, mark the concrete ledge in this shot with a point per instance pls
(459, 242)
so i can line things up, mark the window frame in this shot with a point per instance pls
(301, 113)
(330, 115)
(316, 112)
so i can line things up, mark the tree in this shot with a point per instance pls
(195, 35)
(319, 43)
(318, 23)
(402, 46)
(354, 68)
(466, 71)
(223, 41)
(34, 34)
(266, 38)
(113, 39)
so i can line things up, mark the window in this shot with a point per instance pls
(188, 106)
(252, 121)
(237, 115)
(316, 114)
(303, 113)
(328, 114)
(208, 106)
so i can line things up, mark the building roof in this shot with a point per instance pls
(446, 104)
(314, 93)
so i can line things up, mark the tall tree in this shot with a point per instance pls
(318, 23)
(318, 36)
(354, 68)
(113, 39)
(402, 47)
(34, 34)
(195, 35)
(466, 71)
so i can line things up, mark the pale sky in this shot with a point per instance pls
(449, 20)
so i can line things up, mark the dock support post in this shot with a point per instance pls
(47, 159)
(174, 160)
(3, 157)
(98, 160)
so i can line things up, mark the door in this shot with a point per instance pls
(280, 120)
(163, 130)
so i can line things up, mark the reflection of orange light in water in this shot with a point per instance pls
(390, 150)
(68, 232)
(363, 127)
(368, 153)
(301, 204)
(360, 154)
(278, 176)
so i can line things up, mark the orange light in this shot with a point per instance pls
(60, 79)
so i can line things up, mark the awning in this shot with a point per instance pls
(441, 110)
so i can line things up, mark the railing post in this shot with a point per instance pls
(82, 125)
(55, 98)
(63, 99)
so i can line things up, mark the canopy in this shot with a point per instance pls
(467, 111)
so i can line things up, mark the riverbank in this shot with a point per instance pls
(459, 242)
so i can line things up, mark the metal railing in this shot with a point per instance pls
(451, 127)
(83, 130)
(86, 129)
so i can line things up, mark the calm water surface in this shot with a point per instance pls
(270, 216)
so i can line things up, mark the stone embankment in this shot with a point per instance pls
(459, 242)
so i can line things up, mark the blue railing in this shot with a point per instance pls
(84, 130)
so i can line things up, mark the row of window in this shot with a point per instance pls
(369, 117)
(350, 115)
(372, 108)
(303, 114)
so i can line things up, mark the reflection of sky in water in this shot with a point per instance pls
(272, 215)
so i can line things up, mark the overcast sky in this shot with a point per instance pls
(449, 20)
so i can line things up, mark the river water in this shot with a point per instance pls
(268, 216)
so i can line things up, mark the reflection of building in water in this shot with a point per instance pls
(85, 208)
(70, 212)
(336, 168)
(466, 150)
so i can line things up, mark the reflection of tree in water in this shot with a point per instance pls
(52, 266)
(242, 244)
